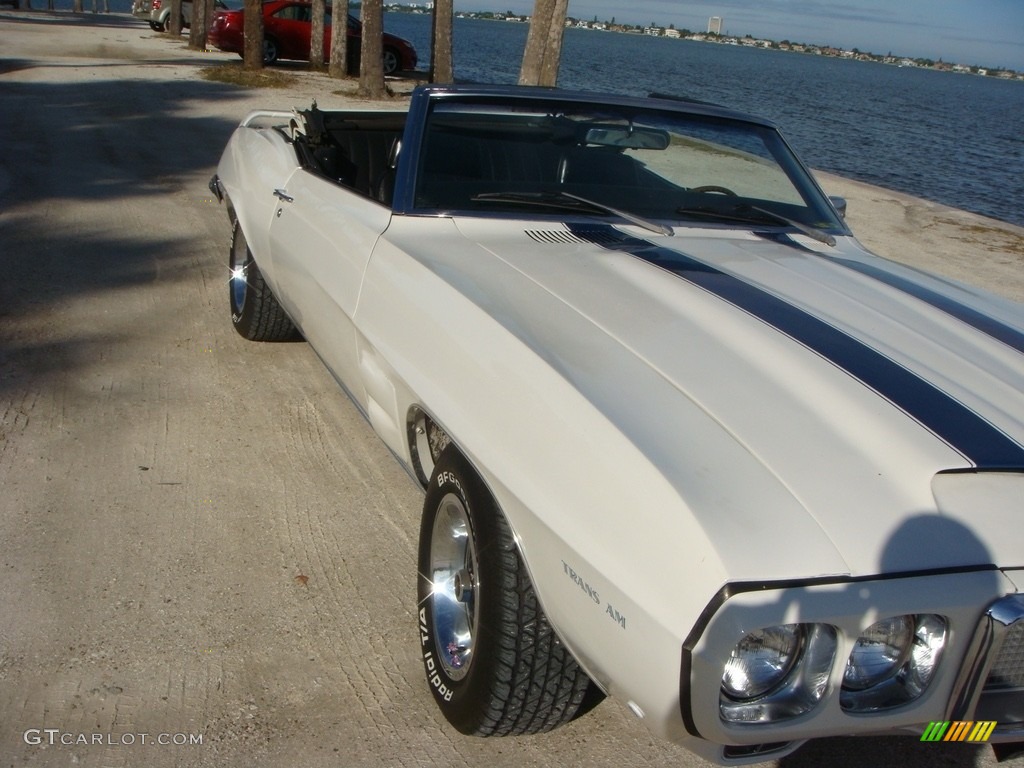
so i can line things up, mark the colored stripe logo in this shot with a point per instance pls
(959, 730)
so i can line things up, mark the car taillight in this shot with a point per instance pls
(156, 5)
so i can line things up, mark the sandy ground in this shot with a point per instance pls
(199, 536)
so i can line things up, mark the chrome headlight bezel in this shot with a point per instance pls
(799, 685)
(908, 674)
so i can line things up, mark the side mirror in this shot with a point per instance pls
(839, 203)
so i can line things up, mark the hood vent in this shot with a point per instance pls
(563, 236)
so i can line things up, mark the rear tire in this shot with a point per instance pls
(391, 61)
(255, 312)
(494, 664)
(270, 52)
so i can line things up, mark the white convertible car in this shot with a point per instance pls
(684, 441)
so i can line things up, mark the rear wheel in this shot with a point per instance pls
(270, 52)
(392, 61)
(493, 662)
(255, 312)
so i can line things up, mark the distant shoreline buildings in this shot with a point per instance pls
(714, 35)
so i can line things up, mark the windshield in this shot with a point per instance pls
(660, 165)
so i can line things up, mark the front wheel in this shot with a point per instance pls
(255, 311)
(493, 662)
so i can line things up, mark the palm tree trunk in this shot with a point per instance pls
(544, 43)
(202, 18)
(253, 30)
(338, 66)
(441, 66)
(316, 35)
(371, 52)
(173, 25)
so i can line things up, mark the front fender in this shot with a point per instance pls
(619, 559)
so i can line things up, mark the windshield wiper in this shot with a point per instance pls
(812, 232)
(569, 201)
(737, 214)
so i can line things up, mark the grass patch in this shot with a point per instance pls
(235, 74)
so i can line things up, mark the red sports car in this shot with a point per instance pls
(287, 26)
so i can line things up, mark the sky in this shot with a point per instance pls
(986, 33)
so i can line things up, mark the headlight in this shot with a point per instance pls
(892, 662)
(777, 673)
(879, 653)
(761, 661)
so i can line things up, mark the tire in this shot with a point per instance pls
(391, 61)
(255, 312)
(270, 51)
(493, 663)
(156, 27)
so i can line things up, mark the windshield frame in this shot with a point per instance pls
(433, 105)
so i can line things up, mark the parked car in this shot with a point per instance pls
(157, 12)
(160, 12)
(683, 440)
(143, 9)
(287, 28)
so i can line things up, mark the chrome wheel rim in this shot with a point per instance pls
(390, 62)
(239, 274)
(454, 586)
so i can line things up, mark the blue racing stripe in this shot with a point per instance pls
(976, 439)
(978, 320)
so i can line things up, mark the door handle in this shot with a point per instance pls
(283, 195)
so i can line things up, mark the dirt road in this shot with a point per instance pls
(200, 538)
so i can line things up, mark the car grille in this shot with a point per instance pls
(991, 680)
(1008, 669)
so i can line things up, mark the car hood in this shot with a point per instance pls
(852, 381)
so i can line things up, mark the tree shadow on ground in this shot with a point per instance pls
(91, 175)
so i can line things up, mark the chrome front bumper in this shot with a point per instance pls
(991, 682)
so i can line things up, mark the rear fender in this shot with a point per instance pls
(257, 161)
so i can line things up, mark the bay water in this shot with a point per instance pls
(956, 139)
(952, 138)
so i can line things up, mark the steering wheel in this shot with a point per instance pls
(715, 189)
